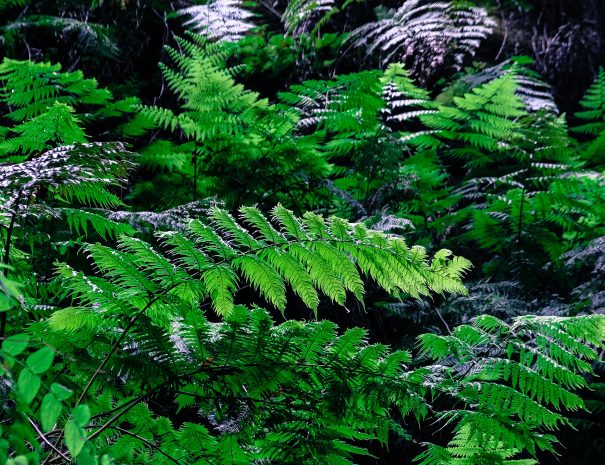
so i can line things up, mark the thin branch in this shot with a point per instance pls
(46, 440)
(121, 338)
(145, 441)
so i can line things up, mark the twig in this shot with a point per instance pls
(45, 439)
(145, 441)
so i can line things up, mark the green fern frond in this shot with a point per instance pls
(310, 256)
(531, 376)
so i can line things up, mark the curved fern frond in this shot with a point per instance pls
(592, 117)
(528, 369)
(593, 104)
(537, 94)
(445, 30)
(31, 88)
(307, 16)
(82, 171)
(404, 100)
(308, 254)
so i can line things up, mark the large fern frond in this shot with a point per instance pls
(447, 31)
(311, 255)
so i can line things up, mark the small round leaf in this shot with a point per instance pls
(60, 392)
(74, 438)
(81, 415)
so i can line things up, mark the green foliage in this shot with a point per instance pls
(532, 376)
(56, 126)
(168, 312)
(33, 90)
(594, 107)
(522, 186)
(309, 254)
(592, 117)
(484, 122)
(293, 391)
(241, 147)
(428, 35)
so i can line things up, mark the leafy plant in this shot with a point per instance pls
(227, 135)
(428, 36)
(592, 117)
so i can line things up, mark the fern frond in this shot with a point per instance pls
(308, 254)
(532, 374)
(225, 20)
(446, 30)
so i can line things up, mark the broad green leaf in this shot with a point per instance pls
(88, 456)
(60, 392)
(75, 436)
(28, 384)
(81, 414)
(14, 345)
(49, 411)
(41, 360)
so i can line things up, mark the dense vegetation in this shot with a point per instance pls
(232, 232)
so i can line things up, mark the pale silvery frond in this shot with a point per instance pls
(404, 100)
(72, 168)
(225, 20)
(429, 34)
(302, 16)
(174, 219)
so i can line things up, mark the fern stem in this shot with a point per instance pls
(447, 327)
(194, 194)
(115, 346)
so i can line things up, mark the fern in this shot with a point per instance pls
(537, 95)
(294, 378)
(485, 121)
(404, 100)
(66, 171)
(231, 133)
(295, 391)
(173, 219)
(307, 16)
(309, 254)
(30, 90)
(592, 117)
(593, 105)
(423, 33)
(531, 376)
(78, 221)
(225, 20)
(41, 188)
(56, 126)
